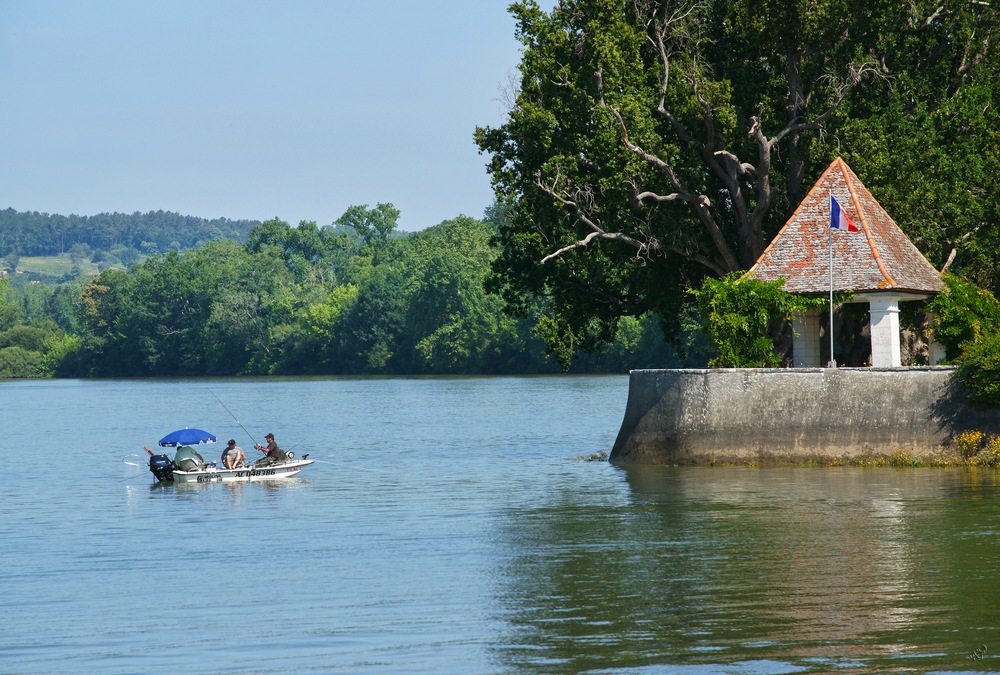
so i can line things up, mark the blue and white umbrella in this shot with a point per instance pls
(186, 437)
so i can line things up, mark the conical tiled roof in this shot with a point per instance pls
(878, 258)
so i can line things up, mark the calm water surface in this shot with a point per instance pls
(450, 528)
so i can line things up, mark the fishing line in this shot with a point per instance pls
(351, 466)
(132, 461)
(252, 437)
(362, 468)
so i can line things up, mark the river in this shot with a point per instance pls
(454, 525)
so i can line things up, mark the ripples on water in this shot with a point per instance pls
(448, 529)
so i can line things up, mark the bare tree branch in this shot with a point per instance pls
(700, 203)
(954, 249)
(671, 23)
(580, 211)
(950, 260)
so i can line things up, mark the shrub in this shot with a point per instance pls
(61, 355)
(967, 322)
(963, 313)
(990, 454)
(18, 362)
(30, 338)
(979, 369)
(968, 443)
(737, 316)
(977, 448)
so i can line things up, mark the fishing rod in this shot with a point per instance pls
(252, 439)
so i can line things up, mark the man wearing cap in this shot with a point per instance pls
(274, 453)
(232, 456)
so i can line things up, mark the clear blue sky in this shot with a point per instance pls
(251, 109)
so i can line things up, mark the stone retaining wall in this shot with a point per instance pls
(792, 415)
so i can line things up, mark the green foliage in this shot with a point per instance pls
(966, 321)
(306, 249)
(979, 368)
(738, 315)
(208, 311)
(646, 155)
(18, 362)
(375, 323)
(962, 314)
(990, 454)
(374, 226)
(899, 459)
(61, 354)
(64, 303)
(324, 317)
(9, 262)
(26, 337)
(34, 351)
(454, 325)
(33, 300)
(303, 300)
(10, 312)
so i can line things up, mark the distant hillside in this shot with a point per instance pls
(54, 269)
(31, 233)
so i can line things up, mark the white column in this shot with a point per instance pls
(935, 352)
(885, 332)
(805, 343)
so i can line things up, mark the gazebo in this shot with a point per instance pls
(878, 263)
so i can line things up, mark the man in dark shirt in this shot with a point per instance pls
(274, 453)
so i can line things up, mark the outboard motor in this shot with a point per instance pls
(162, 467)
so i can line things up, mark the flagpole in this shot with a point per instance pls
(832, 364)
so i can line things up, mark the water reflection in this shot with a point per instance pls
(776, 569)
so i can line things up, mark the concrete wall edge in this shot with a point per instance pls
(768, 415)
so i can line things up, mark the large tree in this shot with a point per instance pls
(652, 143)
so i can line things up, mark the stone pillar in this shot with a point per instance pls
(805, 343)
(885, 332)
(935, 352)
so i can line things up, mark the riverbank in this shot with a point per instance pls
(844, 416)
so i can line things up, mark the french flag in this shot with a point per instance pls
(838, 217)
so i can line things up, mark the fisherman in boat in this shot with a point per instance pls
(188, 459)
(274, 453)
(232, 456)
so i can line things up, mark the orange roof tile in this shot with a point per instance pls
(878, 258)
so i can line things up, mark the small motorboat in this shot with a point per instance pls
(187, 465)
(211, 473)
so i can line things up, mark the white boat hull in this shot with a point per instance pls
(249, 473)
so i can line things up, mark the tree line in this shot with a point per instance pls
(29, 233)
(355, 298)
